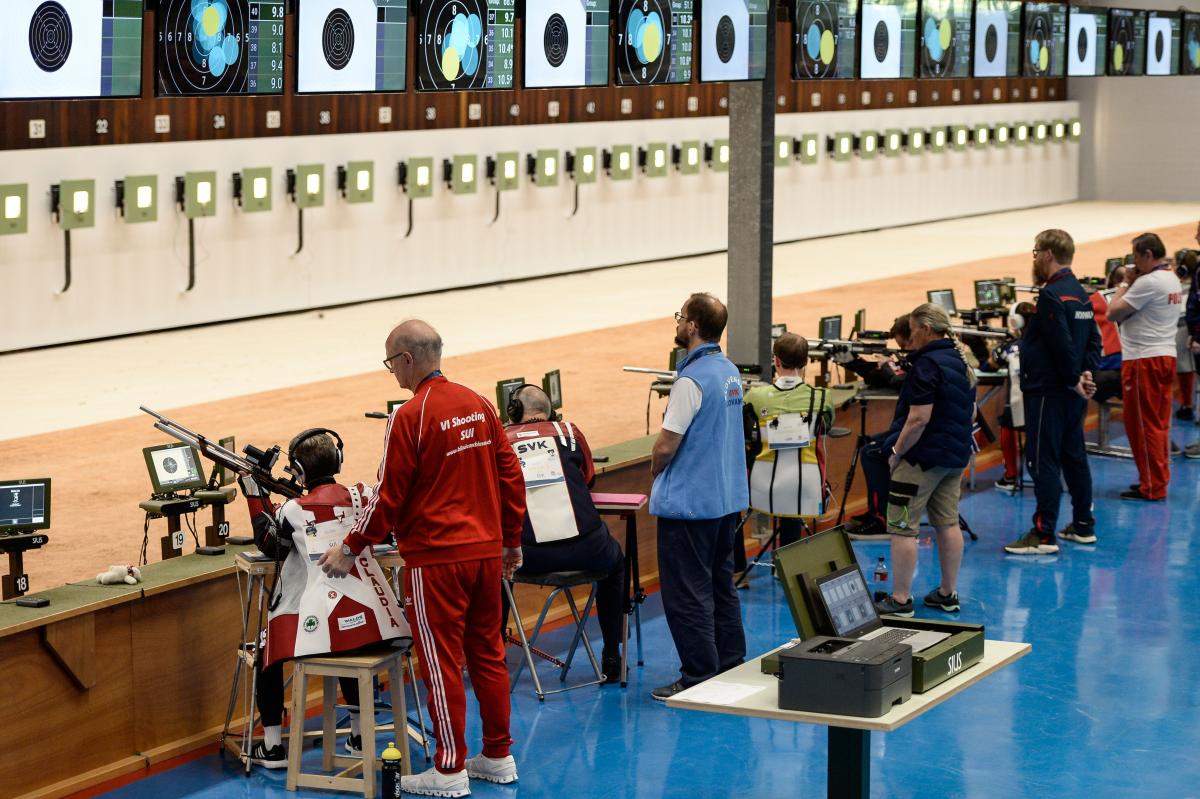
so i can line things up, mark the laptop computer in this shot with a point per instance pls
(848, 605)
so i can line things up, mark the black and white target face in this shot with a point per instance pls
(726, 39)
(556, 40)
(454, 45)
(50, 36)
(645, 37)
(202, 46)
(337, 39)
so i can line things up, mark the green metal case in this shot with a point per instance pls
(799, 565)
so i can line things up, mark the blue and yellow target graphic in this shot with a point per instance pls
(220, 46)
(816, 49)
(645, 53)
(1191, 45)
(213, 49)
(460, 47)
(1038, 42)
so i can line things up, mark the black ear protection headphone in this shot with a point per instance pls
(516, 409)
(297, 467)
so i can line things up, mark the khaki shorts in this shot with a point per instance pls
(915, 490)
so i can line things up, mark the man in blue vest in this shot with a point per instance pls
(700, 488)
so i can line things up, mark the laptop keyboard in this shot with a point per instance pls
(894, 635)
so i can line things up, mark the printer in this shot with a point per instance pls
(845, 676)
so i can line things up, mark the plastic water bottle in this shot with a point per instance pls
(881, 571)
(391, 772)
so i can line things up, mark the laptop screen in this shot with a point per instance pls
(848, 602)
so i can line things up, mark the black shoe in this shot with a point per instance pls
(667, 691)
(1136, 495)
(611, 667)
(889, 606)
(1184, 414)
(870, 528)
(936, 599)
(275, 757)
(1008, 484)
(354, 745)
(1032, 543)
(1176, 450)
(1080, 535)
(1135, 487)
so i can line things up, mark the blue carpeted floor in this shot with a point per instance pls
(1106, 705)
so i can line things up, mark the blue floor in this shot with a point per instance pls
(1106, 705)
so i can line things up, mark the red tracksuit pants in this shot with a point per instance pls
(1146, 387)
(455, 616)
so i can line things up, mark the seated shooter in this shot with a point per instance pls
(563, 531)
(310, 613)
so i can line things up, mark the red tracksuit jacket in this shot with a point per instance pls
(449, 483)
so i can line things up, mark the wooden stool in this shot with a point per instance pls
(362, 667)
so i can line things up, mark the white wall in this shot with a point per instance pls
(1139, 134)
(130, 278)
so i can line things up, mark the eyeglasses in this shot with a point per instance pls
(387, 362)
(679, 317)
(1036, 250)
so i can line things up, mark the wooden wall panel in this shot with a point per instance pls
(74, 122)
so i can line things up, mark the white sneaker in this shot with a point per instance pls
(435, 783)
(502, 770)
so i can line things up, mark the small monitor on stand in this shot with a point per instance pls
(987, 295)
(552, 385)
(24, 505)
(221, 476)
(677, 355)
(174, 468)
(777, 330)
(860, 323)
(944, 298)
(1111, 266)
(504, 392)
(830, 327)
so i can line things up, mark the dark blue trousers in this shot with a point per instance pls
(695, 572)
(1054, 453)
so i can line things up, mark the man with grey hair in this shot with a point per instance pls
(450, 487)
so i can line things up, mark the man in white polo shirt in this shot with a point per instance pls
(1147, 308)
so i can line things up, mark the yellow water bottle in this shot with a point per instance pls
(391, 771)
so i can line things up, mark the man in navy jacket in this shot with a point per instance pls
(1059, 351)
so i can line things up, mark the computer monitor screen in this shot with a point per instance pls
(1189, 45)
(1162, 42)
(830, 327)
(174, 467)
(860, 321)
(676, 357)
(220, 47)
(777, 330)
(565, 43)
(847, 602)
(888, 44)
(504, 392)
(1044, 30)
(351, 45)
(945, 38)
(824, 39)
(465, 44)
(1126, 42)
(997, 38)
(987, 294)
(393, 405)
(733, 39)
(654, 41)
(552, 385)
(1111, 264)
(24, 505)
(944, 298)
(1087, 41)
(71, 48)
(222, 476)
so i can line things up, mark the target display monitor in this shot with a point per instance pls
(987, 295)
(943, 298)
(1044, 34)
(1087, 41)
(220, 47)
(566, 43)
(824, 39)
(1126, 42)
(465, 44)
(654, 41)
(945, 38)
(829, 328)
(888, 45)
(1162, 42)
(24, 505)
(71, 48)
(174, 467)
(1189, 58)
(997, 50)
(351, 45)
(733, 39)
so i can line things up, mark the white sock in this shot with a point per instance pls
(273, 736)
(354, 724)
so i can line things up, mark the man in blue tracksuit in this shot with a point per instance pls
(700, 488)
(1059, 351)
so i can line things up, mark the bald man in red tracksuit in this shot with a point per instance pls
(451, 488)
